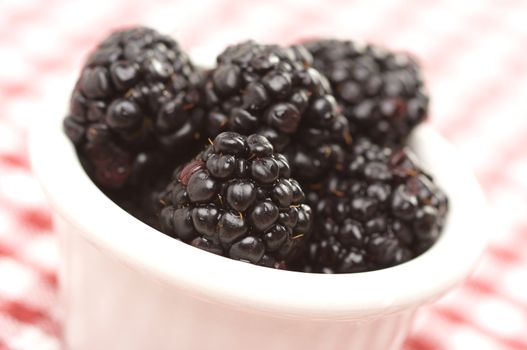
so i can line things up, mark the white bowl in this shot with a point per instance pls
(127, 286)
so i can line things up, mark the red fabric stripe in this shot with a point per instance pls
(416, 342)
(5, 251)
(23, 313)
(36, 219)
(26, 314)
(458, 317)
(505, 254)
(481, 286)
(14, 160)
(16, 20)
(48, 277)
(17, 89)
(39, 217)
(487, 288)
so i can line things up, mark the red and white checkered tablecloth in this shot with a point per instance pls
(475, 61)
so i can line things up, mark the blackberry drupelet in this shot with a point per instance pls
(381, 93)
(380, 210)
(237, 199)
(135, 99)
(274, 91)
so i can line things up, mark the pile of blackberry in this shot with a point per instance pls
(305, 166)
(381, 93)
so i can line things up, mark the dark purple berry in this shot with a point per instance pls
(381, 93)
(237, 199)
(270, 90)
(138, 92)
(379, 211)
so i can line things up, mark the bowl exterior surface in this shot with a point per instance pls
(108, 305)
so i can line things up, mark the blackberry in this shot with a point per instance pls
(380, 210)
(237, 199)
(274, 91)
(381, 93)
(135, 99)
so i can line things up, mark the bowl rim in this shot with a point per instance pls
(75, 198)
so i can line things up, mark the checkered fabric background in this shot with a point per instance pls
(474, 57)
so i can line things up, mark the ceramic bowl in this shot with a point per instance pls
(126, 286)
